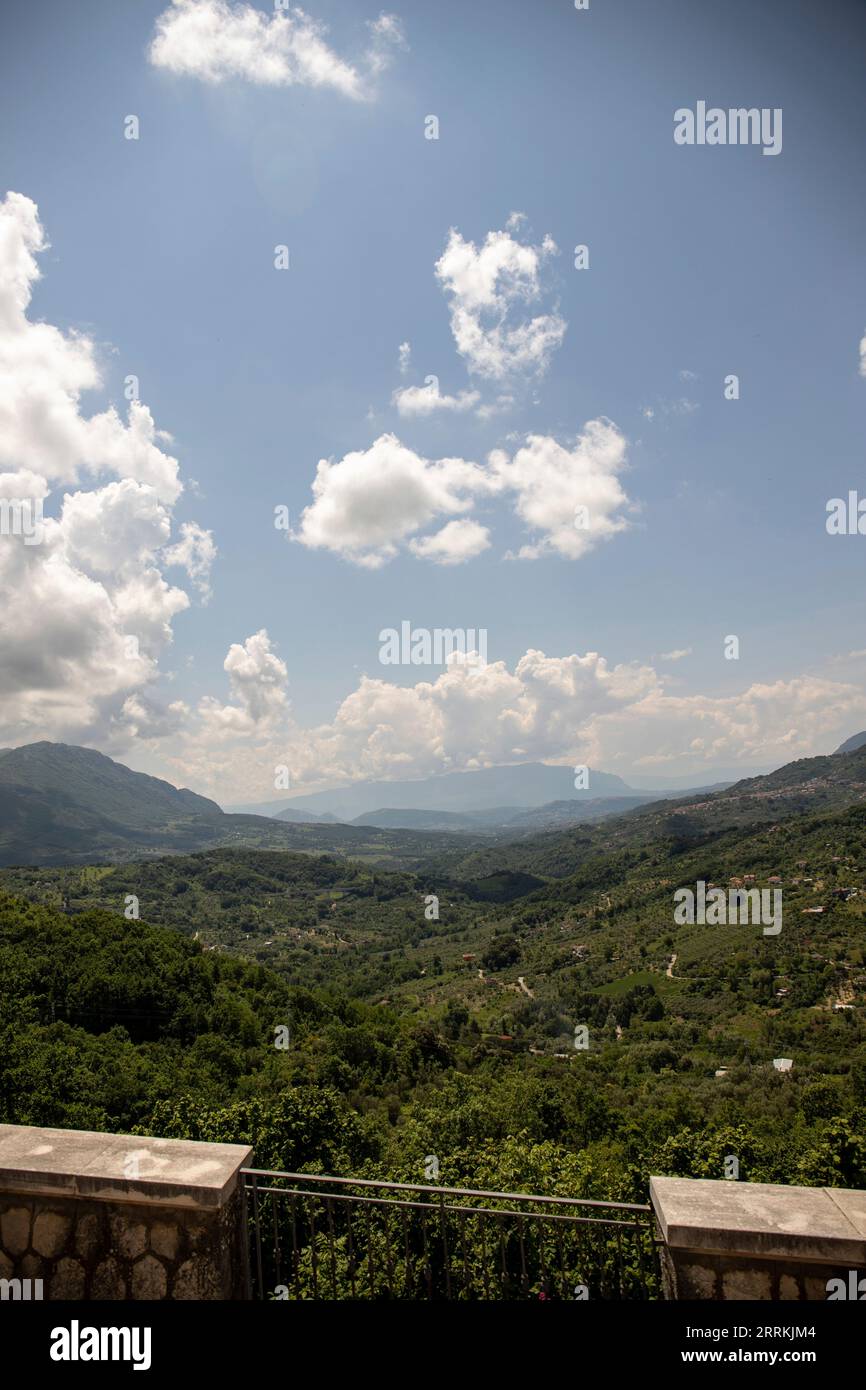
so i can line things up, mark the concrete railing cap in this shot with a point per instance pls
(761, 1219)
(118, 1167)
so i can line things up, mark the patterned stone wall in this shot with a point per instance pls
(689, 1275)
(119, 1217)
(82, 1249)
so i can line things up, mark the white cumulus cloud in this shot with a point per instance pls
(86, 611)
(570, 498)
(491, 290)
(43, 373)
(258, 680)
(767, 723)
(195, 552)
(373, 500)
(557, 709)
(214, 40)
(457, 542)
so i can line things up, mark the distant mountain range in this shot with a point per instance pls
(505, 791)
(492, 788)
(298, 815)
(502, 818)
(61, 804)
(809, 786)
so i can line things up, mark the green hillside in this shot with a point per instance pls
(808, 786)
(455, 1036)
(62, 805)
(107, 1024)
(462, 1033)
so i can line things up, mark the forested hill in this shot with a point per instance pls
(61, 804)
(112, 1024)
(413, 1031)
(807, 786)
(83, 777)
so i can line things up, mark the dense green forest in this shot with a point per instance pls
(411, 1033)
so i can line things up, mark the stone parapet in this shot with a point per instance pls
(740, 1240)
(111, 1216)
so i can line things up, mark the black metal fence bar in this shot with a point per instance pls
(315, 1237)
(436, 1191)
(393, 1205)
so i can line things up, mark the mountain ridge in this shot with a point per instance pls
(61, 803)
(520, 785)
(852, 744)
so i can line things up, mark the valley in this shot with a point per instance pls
(454, 1030)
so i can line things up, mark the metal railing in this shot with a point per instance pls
(324, 1238)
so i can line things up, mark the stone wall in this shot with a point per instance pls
(738, 1240)
(99, 1216)
(112, 1216)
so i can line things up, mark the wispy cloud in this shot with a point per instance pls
(428, 399)
(214, 40)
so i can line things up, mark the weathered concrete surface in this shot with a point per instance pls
(119, 1167)
(738, 1240)
(102, 1216)
(852, 1204)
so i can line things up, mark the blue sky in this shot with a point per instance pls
(703, 261)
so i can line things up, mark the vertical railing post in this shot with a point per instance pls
(258, 1231)
(245, 1250)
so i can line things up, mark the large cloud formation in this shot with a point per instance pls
(213, 40)
(87, 609)
(559, 709)
(374, 501)
(43, 373)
